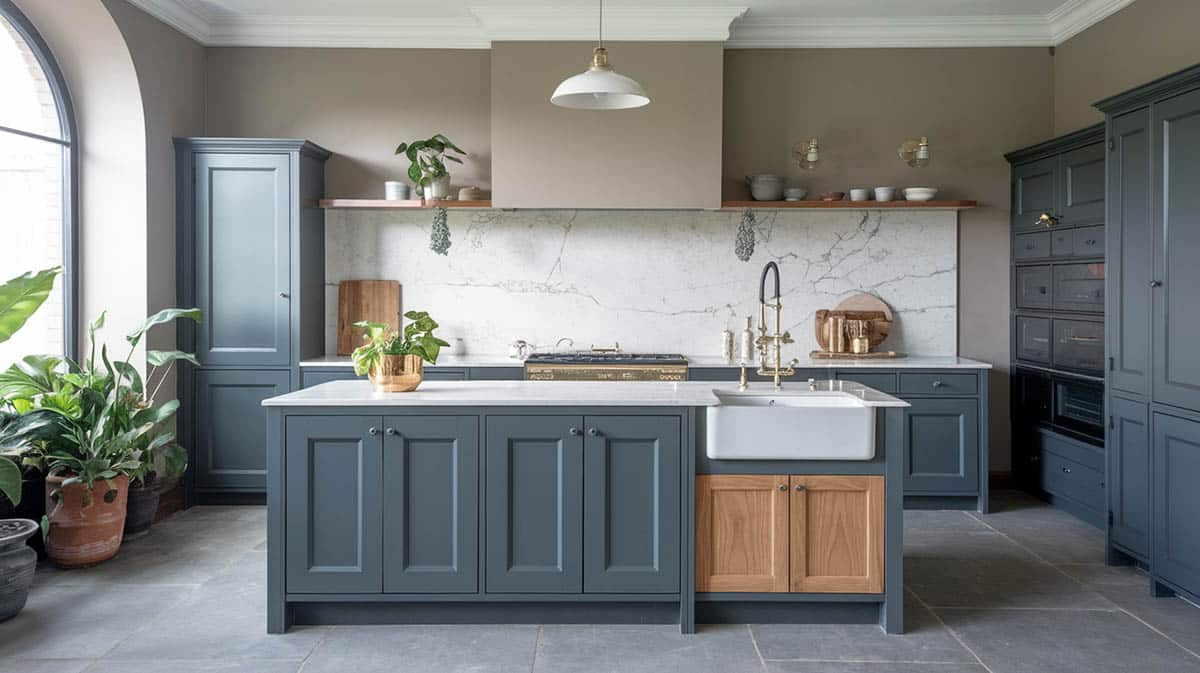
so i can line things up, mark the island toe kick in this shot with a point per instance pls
(392, 509)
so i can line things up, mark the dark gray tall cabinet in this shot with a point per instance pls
(1058, 281)
(251, 255)
(1153, 373)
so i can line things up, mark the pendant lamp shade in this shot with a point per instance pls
(600, 88)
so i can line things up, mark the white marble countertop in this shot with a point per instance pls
(358, 393)
(907, 362)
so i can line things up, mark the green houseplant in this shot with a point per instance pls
(393, 361)
(427, 164)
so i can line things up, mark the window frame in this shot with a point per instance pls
(70, 166)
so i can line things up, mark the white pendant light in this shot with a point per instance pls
(600, 87)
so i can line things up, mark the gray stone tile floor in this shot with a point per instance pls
(1022, 590)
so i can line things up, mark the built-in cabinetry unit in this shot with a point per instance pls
(252, 258)
(1153, 371)
(1058, 301)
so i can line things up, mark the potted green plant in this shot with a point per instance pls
(395, 363)
(427, 165)
(107, 429)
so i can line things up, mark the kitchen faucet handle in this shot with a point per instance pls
(786, 338)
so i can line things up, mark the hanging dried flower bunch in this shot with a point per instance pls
(439, 236)
(744, 246)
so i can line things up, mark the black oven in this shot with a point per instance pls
(1079, 406)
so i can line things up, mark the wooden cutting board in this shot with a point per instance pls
(372, 300)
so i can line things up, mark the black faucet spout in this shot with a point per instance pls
(762, 282)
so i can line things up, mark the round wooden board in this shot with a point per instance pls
(860, 303)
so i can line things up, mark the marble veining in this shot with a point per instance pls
(662, 281)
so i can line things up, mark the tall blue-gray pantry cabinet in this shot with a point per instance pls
(251, 255)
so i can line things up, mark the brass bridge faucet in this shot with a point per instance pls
(771, 345)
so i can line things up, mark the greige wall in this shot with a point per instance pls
(974, 104)
(358, 103)
(663, 155)
(1140, 43)
(170, 71)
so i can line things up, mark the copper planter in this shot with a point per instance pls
(397, 373)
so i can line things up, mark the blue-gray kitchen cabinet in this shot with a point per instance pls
(1176, 557)
(1176, 217)
(1129, 476)
(430, 504)
(533, 467)
(1081, 188)
(230, 451)
(1130, 257)
(631, 510)
(941, 446)
(1034, 193)
(334, 509)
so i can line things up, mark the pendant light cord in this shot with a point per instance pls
(601, 23)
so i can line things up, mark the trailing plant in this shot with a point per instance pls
(428, 158)
(417, 339)
(20, 297)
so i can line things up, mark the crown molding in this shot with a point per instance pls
(1075, 16)
(834, 33)
(650, 23)
(737, 27)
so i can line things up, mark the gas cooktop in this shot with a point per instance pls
(594, 358)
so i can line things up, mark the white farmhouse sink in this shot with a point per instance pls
(790, 425)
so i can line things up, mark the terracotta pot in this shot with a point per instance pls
(143, 505)
(397, 373)
(83, 536)
(17, 564)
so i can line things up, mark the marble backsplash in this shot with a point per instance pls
(656, 281)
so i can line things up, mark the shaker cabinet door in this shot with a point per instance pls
(1130, 259)
(231, 428)
(430, 504)
(1176, 500)
(1177, 226)
(1129, 470)
(334, 510)
(941, 446)
(742, 532)
(1081, 186)
(837, 534)
(631, 504)
(1034, 193)
(534, 504)
(242, 220)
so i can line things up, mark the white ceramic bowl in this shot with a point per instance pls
(859, 194)
(919, 193)
(765, 186)
(885, 193)
(794, 194)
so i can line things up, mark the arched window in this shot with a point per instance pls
(37, 183)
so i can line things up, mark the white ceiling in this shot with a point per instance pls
(474, 24)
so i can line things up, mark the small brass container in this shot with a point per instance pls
(397, 373)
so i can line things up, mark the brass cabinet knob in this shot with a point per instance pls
(1047, 219)
(783, 487)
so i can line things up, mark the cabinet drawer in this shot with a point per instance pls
(1088, 242)
(1033, 287)
(312, 376)
(1062, 243)
(939, 384)
(1078, 345)
(882, 381)
(1033, 339)
(1065, 477)
(1031, 246)
(1079, 287)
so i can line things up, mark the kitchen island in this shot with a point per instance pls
(576, 502)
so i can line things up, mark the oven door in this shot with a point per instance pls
(1079, 405)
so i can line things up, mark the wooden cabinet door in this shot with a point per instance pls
(534, 496)
(1130, 258)
(231, 427)
(430, 504)
(1176, 500)
(334, 513)
(741, 532)
(1081, 190)
(631, 504)
(1034, 193)
(1129, 470)
(1176, 219)
(837, 534)
(243, 269)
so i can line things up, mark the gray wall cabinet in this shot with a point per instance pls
(1035, 193)
(631, 504)
(534, 503)
(941, 446)
(1130, 461)
(1153, 370)
(1081, 192)
(251, 256)
(334, 505)
(431, 504)
(230, 449)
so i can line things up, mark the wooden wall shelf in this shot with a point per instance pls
(850, 205)
(383, 204)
